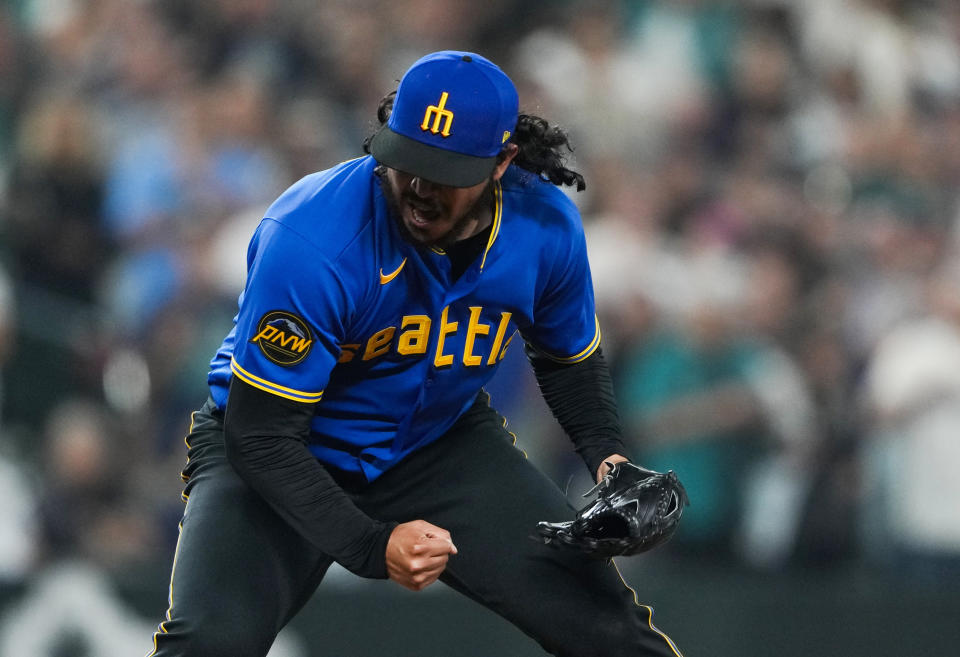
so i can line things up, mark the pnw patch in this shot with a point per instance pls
(283, 338)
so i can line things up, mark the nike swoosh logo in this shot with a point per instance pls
(386, 278)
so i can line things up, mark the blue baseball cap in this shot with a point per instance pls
(451, 116)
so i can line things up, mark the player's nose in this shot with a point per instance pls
(423, 187)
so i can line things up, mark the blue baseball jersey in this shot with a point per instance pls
(339, 309)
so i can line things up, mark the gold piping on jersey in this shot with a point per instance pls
(512, 435)
(497, 214)
(583, 355)
(186, 441)
(162, 628)
(636, 601)
(274, 388)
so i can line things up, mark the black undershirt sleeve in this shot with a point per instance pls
(266, 443)
(580, 395)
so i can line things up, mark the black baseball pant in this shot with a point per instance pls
(240, 573)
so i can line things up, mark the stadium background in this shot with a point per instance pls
(772, 213)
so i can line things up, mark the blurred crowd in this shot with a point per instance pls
(771, 211)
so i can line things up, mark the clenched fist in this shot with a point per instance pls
(417, 552)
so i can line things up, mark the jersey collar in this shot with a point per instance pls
(497, 216)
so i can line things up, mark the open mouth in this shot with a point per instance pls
(422, 215)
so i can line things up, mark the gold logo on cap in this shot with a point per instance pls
(438, 113)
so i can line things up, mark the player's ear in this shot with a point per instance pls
(504, 159)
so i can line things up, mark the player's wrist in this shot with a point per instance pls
(608, 464)
(598, 451)
(375, 565)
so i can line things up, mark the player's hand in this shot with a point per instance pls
(608, 463)
(417, 553)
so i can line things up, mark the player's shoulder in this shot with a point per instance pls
(540, 202)
(328, 209)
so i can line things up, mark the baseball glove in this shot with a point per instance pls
(636, 510)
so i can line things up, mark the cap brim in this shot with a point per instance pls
(429, 162)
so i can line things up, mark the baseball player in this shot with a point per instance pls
(347, 419)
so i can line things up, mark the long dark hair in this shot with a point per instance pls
(541, 146)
